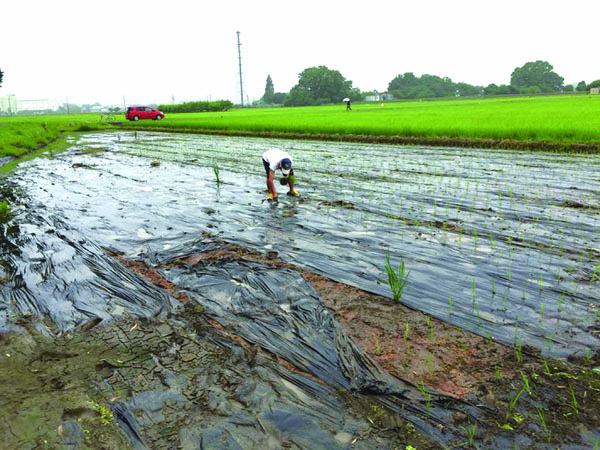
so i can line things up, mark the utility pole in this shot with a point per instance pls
(240, 65)
(67, 98)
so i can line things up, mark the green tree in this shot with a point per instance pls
(537, 74)
(269, 91)
(593, 84)
(465, 89)
(319, 85)
(299, 96)
(1, 76)
(279, 98)
(491, 89)
(581, 86)
(402, 84)
(408, 85)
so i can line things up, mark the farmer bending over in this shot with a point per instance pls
(278, 159)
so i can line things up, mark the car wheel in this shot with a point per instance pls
(158, 117)
(136, 118)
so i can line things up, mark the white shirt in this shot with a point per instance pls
(274, 157)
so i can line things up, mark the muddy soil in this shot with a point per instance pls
(162, 384)
(551, 402)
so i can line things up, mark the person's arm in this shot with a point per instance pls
(271, 184)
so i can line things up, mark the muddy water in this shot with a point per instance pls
(500, 243)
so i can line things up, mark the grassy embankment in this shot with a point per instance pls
(563, 122)
(26, 137)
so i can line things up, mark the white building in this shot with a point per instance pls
(379, 97)
(8, 104)
(595, 91)
(38, 105)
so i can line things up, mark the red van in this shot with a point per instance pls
(143, 112)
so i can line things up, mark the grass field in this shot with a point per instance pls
(560, 118)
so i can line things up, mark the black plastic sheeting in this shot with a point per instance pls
(279, 311)
(59, 275)
(226, 397)
(509, 239)
(62, 277)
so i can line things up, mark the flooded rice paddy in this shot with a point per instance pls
(504, 244)
(501, 243)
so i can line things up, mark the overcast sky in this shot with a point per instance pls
(152, 51)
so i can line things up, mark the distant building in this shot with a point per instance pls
(38, 105)
(379, 97)
(595, 91)
(8, 104)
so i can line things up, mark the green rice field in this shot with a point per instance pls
(566, 119)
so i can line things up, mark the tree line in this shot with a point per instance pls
(320, 85)
(218, 105)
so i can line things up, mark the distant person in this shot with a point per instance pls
(348, 108)
(276, 159)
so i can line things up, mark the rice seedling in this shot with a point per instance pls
(546, 367)
(542, 417)
(397, 281)
(215, 168)
(574, 403)
(430, 364)
(526, 383)
(588, 354)
(430, 326)
(561, 301)
(470, 431)
(595, 274)
(519, 351)
(406, 333)
(515, 399)
(426, 396)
